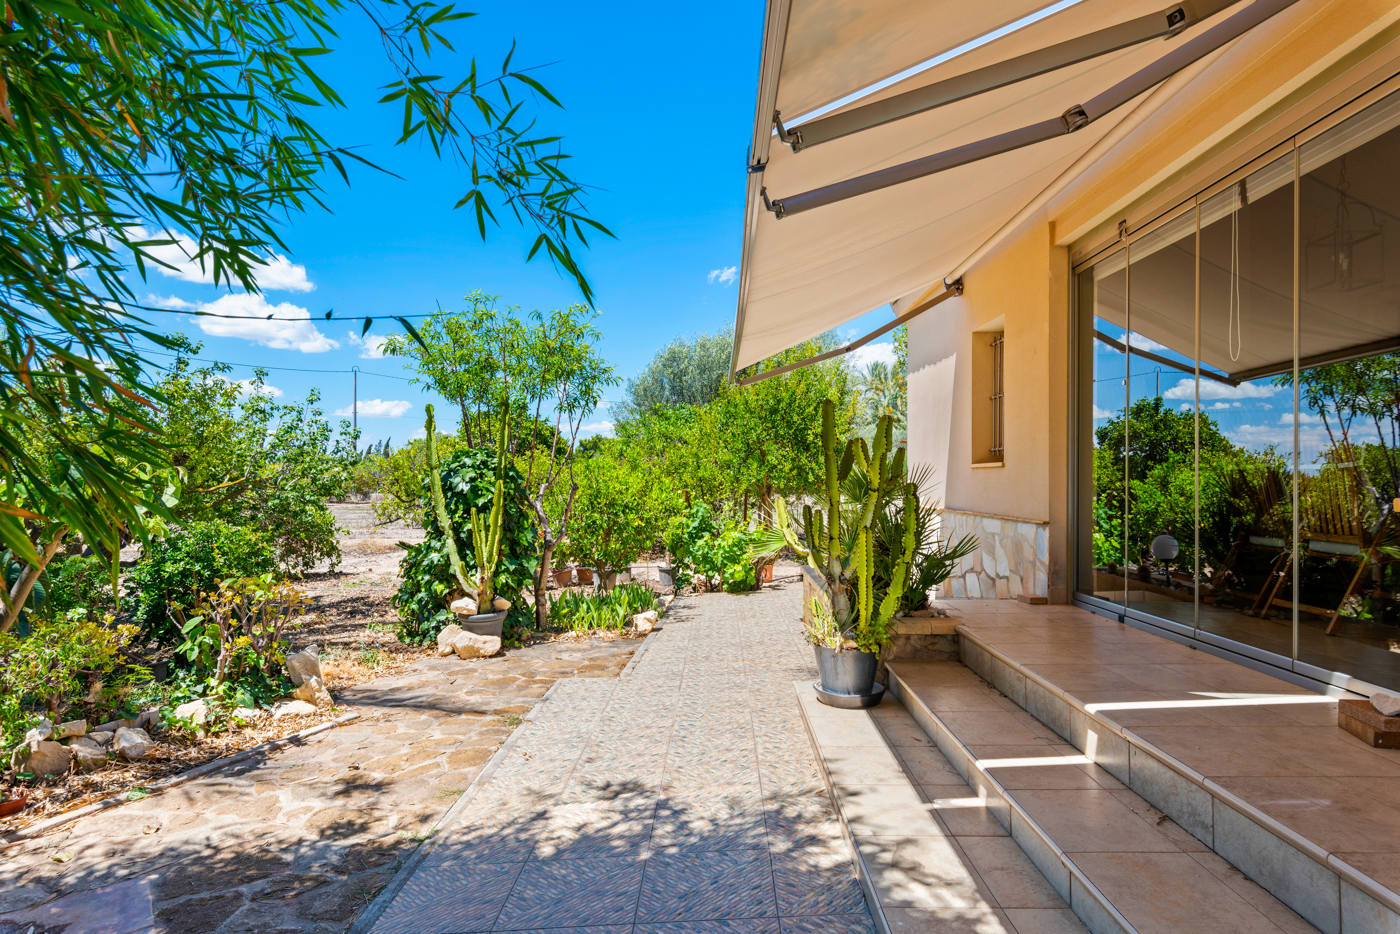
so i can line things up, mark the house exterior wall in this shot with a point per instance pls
(1017, 509)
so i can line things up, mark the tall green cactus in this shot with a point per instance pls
(440, 506)
(840, 535)
(486, 533)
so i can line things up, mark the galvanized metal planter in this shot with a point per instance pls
(847, 678)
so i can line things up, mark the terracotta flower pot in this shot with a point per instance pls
(585, 575)
(563, 577)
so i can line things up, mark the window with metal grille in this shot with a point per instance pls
(989, 396)
(998, 395)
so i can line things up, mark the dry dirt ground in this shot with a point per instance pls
(301, 839)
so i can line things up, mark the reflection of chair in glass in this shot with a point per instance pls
(1259, 492)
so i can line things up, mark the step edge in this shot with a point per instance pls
(900, 690)
(1318, 854)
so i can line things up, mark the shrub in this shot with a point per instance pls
(61, 660)
(579, 611)
(728, 556)
(620, 507)
(176, 570)
(79, 582)
(683, 537)
(233, 644)
(468, 480)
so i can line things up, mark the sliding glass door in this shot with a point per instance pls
(1242, 476)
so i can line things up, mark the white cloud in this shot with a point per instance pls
(604, 428)
(371, 345)
(1101, 413)
(1185, 406)
(289, 329)
(724, 276)
(278, 273)
(862, 357)
(245, 388)
(378, 408)
(169, 301)
(1211, 390)
(1139, 342)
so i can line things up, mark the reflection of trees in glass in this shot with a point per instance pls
(1162, 486)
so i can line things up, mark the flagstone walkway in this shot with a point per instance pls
(679, 799)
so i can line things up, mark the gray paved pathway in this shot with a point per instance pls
(680, 799)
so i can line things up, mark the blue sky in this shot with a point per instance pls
(659, 107)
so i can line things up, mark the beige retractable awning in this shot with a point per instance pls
(804, 274)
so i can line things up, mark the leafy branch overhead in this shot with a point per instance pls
(479, 121)
(127, 125)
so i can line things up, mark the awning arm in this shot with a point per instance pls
(1075, 118)
(1174, 364)
(1061, 55)
(955, 289)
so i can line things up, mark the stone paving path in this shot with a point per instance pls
(299, 840)
(680, 799)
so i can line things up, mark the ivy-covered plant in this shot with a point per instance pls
(468, 482)
(727, 556)
(176, 570)
(683, 538)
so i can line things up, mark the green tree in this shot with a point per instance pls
(142, 124)
(769, 432)
(250, 461)
(687, 371)
(883, 391)
(621, 507)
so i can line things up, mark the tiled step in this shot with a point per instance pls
(931, 857)
(1122, 864)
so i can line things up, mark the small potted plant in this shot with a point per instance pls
(479, 592)
(849, 625)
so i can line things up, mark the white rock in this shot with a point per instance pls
(500, 603)
(102, 739)
(47, 758)
(246, 713)
(463, 607)
(646, 622)
(1386, 703)
(148, 718)
(304, 664)
(72, 728)
(292, 708)
(87, 754)
(470, 645)
(132, 743)
(312, 691)
(446, 640)
(196, 711)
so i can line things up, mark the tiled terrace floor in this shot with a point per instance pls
(680, 799)
(1275, 745)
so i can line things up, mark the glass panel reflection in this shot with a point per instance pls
(1246, 416)
(1107, 291)
(1161, 421)
(1349, 327)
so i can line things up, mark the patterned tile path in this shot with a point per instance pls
(680, 799)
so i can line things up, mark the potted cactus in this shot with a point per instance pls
(850, 626)
(478, 590)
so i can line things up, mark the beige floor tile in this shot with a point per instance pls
(1044, 921)
(1337, 816)
(1171, 893)
(1329, 750)
(1078, 677)
(1223, 752)
(965, 817)
(1010, 876)
(949, 921)
(928, 766)
(905, 733)
(988, 728)
(1382, 867)
(886, 809)
(866, 765)
(1163, 678)
(922, 872)
(1019, 772)
(1284, 918)
(1091, 822)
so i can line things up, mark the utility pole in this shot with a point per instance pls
(355, 403)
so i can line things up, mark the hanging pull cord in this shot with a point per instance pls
(1234, 333)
